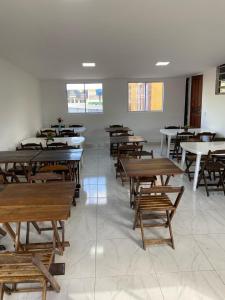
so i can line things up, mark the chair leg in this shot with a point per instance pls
(135, 220)
(44, 290)
(222, 181)
(36, 227)
(206, 185)
(188, 165)
(1, 291)
(142, 230)
(170, 228)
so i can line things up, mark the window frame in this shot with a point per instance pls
(85, 83)
(145, 82)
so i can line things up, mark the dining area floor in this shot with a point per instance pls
(106, 261)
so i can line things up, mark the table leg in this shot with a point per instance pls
(183, 158)
(197, 168)
(168, 145)
(161, 144)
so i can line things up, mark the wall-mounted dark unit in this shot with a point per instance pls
(220, 80)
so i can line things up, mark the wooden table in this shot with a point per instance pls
(136, 168)
(71, 141)
(24, 156)
(199, 148)
(127, 139)
(35, 202)
(67, 155)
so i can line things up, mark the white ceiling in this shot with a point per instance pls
(51, 38)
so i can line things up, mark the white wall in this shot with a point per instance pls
(115, 108)
(213, 106)
(20, 105)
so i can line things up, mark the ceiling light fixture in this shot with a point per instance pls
(162, 63)
(88, 64)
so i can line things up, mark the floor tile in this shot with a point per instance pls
(121, 257)
(128, 288)
(204, 285)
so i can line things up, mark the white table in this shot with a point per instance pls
(71, 141)
(199, 148)
(75, 129)
(173, 132)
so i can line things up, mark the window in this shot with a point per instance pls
(145, 96)
(85, 97)
(220, 80)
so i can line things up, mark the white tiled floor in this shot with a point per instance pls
(106, 261)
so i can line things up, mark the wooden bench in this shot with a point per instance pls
(27, 267)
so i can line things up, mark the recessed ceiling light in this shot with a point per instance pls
(88, 64)
(162, 63)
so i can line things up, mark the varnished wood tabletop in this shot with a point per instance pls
(127, 139)
(23, 156)
(35, 202)
(150, 167)
(59, 155)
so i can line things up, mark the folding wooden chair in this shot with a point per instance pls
(28, 267)
(180, 137)
(211, 168)
(47, 132)
(154, 204)
(47, 174)
(190, 157)
(56, 146)
(68, 133)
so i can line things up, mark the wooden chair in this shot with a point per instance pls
(129, 152)
(8, 176)
(214, 167)
(154, 204)
(180, 137)
(126, 151)
(114, 147)
(28, 267)
(68, 132)
(47, 132)
(190, 157)
(30, 146)
(45, 174)
(56, 146)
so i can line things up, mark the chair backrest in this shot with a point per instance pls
(129, 151)
(76, 125)
(58, 145)
(155, 190)
(217, 154)
(119, 132)
(30, 146)
(68, 132)
(125, 134)
(184, 136)
(115, 126)
(57, 126)
(206, 136)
